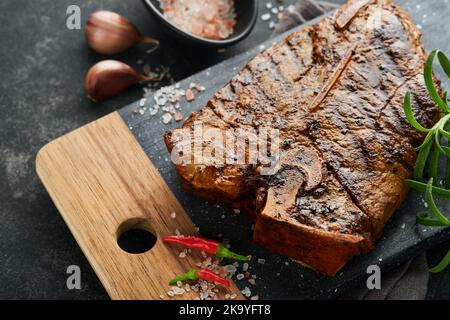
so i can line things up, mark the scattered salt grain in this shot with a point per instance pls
(173, 215)
(230, 269)
(265, 17)
(190, 95)
(161, 296)
(268, 5)
(178, 117)
(170, 293)
(233, 296)
(237, 211)
(179, 283)
(199, 88)
(252, 281)
(271, 25)
(166, 118)
(245, 267)
(178, 291)
(227, 296)
(222, 216)
(274, 10)
(247, 292)
(240, 276)
(255, 297)
(182, 255)
(261, 261)
(177, 232)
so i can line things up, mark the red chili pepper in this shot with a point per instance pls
(203, 274)
(206, 245)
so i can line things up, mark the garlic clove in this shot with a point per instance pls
(110, 33)
(108, 78)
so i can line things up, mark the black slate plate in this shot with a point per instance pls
(280, 278)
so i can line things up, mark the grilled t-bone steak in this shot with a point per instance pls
(334, 90)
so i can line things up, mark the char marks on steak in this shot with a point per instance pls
(334, 90)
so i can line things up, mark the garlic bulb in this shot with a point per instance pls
(109, 33)
(108, 78)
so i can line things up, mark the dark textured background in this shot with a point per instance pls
(42, 68)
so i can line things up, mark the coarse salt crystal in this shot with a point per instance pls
(265, 17)
(252, 281)
(261, 261)
(245, 267)
(177, 232)
(178, 116)
(237, 211)
(190, 95)
(161, 296)
(255, 297)
(247, 292)
(166, 118)
(240, 276)
(173, 215)
(182, 255)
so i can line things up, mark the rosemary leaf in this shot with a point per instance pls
(428, 76)
(433, 169)
(424, 220)
(421, 161)
(447, 173)
(442, 265)
(422, 187)
(445, 63)
(410, 115)
(432, 205)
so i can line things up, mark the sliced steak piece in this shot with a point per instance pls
(334, 91)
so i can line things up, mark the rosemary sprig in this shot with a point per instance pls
(430, 151)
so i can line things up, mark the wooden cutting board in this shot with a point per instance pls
(103, 184)
(115, 173)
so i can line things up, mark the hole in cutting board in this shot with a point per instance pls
(135, 236)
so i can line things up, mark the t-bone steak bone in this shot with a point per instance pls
(334, 91)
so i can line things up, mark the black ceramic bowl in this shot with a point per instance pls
(246, 15)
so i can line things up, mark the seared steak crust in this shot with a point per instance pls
(334, 90)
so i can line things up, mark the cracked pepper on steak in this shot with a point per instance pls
(334, 90)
